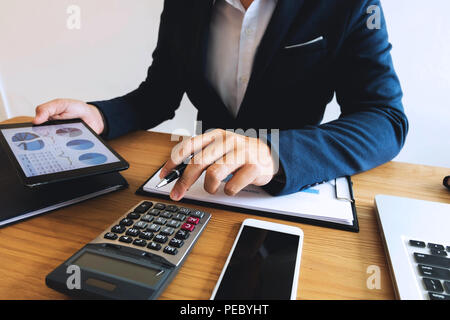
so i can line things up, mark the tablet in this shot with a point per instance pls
(57, 151)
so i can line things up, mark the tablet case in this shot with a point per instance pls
(19, 202)
(352, 228)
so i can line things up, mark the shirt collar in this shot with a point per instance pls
(236, 3)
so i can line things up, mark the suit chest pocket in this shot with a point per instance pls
(295, 63)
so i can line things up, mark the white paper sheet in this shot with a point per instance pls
(318, 202)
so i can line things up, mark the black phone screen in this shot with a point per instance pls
(262, 266)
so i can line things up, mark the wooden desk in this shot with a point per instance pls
(334, 263)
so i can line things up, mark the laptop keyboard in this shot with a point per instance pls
(433, 265)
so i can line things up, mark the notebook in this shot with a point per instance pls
(329, 204)
(19, 202)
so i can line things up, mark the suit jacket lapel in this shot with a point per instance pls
(282, 19)
(202, 11)
(214, 107)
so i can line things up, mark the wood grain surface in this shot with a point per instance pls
(334, 263)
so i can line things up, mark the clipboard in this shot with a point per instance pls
(339, 194)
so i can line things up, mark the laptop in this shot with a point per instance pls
(416, 236)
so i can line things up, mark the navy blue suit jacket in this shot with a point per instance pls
(289, 88)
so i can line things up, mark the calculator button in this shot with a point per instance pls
(146, 235)
(154, 246)
(132, 232)
(170, 250)
(173, 224)
(143, 207)
(182, 235)
(176, 243)
(154, 212)
(140, 242)
(184, 211)
(167, 231)
(126, 239)
(193, 220)
(197, 214)
(179, 217)
(166, 214)
(111, 236)
(147, 218)
(141, 225)
(172, 208)
(154, 228)
(133, 215)
(126, 222)
(160, 221)
(118, 229)
(160, 238)
(188, 227)
(160, 206)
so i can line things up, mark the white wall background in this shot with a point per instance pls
(41, 59)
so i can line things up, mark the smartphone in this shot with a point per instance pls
(264, 263)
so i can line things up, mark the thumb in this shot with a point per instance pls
(47, 110)
(42, 116)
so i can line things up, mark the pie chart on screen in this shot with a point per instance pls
(31, 146)
(24, 136)
(69, 132)
(80, 144)
(93, 159)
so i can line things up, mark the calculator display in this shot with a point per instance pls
(119, 268)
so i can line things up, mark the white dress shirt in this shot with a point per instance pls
(235, 35)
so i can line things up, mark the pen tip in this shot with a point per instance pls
(161, 184)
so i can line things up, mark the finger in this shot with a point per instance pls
(195, 168)
(48, 110)
(189, 176)
(188, 147)
(217, 173)
(61, 116)
(241, 178)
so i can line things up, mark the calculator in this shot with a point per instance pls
(135, 258)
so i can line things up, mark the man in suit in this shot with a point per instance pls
(264, 64)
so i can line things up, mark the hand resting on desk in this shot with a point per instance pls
(221, 153)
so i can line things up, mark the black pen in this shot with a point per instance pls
(175, 173)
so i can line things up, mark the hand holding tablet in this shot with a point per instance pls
(66, 109)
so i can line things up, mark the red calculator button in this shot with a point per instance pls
(193, 220)
(188, 227)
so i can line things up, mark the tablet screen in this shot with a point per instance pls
(56, 148)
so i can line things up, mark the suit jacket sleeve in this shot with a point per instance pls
(372, 127)
(157, 98)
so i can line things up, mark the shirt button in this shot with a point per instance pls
(243, 80)
(249, 31)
